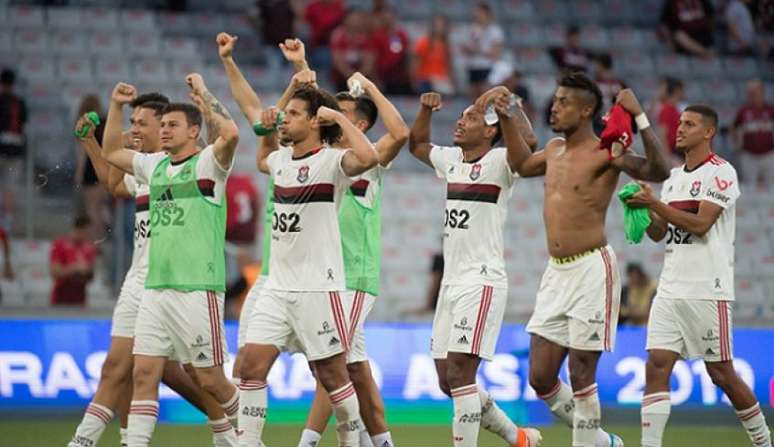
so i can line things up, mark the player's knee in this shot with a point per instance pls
(721, 377)
(443, 384)
(253, 368)
(358, 374)
(656, 369)
(540, 381)
(116, 371)
(141, 376)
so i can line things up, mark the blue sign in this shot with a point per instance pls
(56, 364)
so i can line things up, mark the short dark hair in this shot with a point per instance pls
(634, 267)
(145, 98)
(192, 114)
(81, 221)
(484, 6)
(672, 84)
(572, 30)
(498, 135)
(7, 76)
(364, 106)
(314, 99)
(605, 60)
(706, 112)
(580, 81)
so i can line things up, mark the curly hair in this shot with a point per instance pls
(314, 99)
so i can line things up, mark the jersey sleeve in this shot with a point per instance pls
(144, 165)
(338, 159)
(506, 175)
(131, 184)
(442, 157)
(209, 167)
(723, 188)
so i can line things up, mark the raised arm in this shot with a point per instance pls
(244, 95)
(112, 142)
(268, 143)
(295, 53)
(303, 77)
(91, 147)
(221, 122)
(419, 137)
(361, 156)
(389, 145)
(654, 166)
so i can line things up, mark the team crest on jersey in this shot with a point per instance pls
(303, 174)
(695, 188)
(475, 171)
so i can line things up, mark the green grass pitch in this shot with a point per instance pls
(43, 433)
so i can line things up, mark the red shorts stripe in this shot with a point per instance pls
(338, 316)
(483, 311)
(212, 304)
(725, 345)
(355, 312)
(608, 296)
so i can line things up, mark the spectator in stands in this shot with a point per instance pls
(72, 264)
(607, 81)
(753, 136)
(484, 48)
(667, 112)
(13, 144)
(275, 22)
(687, 26)
(741, 28)
(392, 53)
(571, 57)
(93, 200)
(6, 243)
(353, 49)
(636, 296)
(433, 63)
(322, 16)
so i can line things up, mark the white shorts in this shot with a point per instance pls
(247, 309)
(468, 320)
(360, 306)
(127, 306)
(314, 323)
(692, 328)
(183, 325)
(578, 302)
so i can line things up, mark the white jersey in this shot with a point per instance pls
(366, 186)
(141, 192)
(305, 239)
(701, 268)
(476, 208)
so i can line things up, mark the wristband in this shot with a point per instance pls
(642, 121)
(93, 119)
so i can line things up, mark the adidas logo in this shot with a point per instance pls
(334, 341)
(201, 356)
(594, 337)
(709, 352)
(386, 444)
(167, 195)
(463, 340)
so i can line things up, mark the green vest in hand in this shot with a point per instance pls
(188, 233)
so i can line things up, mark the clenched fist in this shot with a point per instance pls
(431, 101)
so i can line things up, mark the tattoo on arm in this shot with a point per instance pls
(215, 106)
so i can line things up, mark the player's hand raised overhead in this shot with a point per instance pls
(327, 116)
(84, 121)
(358, 77)
(123, 93)
(226, 44)
(643, 199)
(431, 100)
(293, 50)
(305, 77)
(196, 83)
(629, 101)
(498, 96)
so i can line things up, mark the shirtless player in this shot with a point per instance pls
(576, 310)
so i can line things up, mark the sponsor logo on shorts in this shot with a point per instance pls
(334, 341)
(597, 319)
(463, 340)
(594, 336)
(326, 329)
(463, 325)
(201, 357)
(709, 352)
(711, 336)
(200, 342)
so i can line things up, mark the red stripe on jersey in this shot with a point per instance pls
(691, 206)
(359, 188)
(472, 192)
(320, 192)
(206, 187)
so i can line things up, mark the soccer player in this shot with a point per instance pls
(113, 391)
(691, 314)
(181, 307)
(301, 299)
(474, 290)
(576, 310)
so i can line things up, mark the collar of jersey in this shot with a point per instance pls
(179, 162)
(709, 157)
(308, 154)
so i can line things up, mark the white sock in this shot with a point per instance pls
(142, 421)
(124, 434)
(95, 418)
(383, 440)
(495, 420)
(587, 417)
(309, 438)
(559, 401)
(467, 415)
(253, 399)
(365, 439)
(654, 414)
(347, 411)
(755, 424)
(231, 408)
(223, 434)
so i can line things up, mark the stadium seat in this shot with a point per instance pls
(103, 43)
(174, 23)
(69, 43)
(742, 68)
(138, 20)
(552, 10)
(554, 34)
(239, 25)
(458, 10)
(648, 12)
(720, 91)
(673, 65)
(518, 10)
(626, 37)
(37, 69)
(111, 71)
(702, 68)
(143, 44)
(101, 19)
(6, 40)
(618, 12)
(151, 71)
(26, 16)
(31, 41)
(178, 70)
(526, 34)
(75, 69)
(542, 88)
(595, 37)
(415, 9)
(585, 12)
(179, 48)
(206, 24)
(68, 18)
(631, 63)
(42, 95)
(534, 60)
